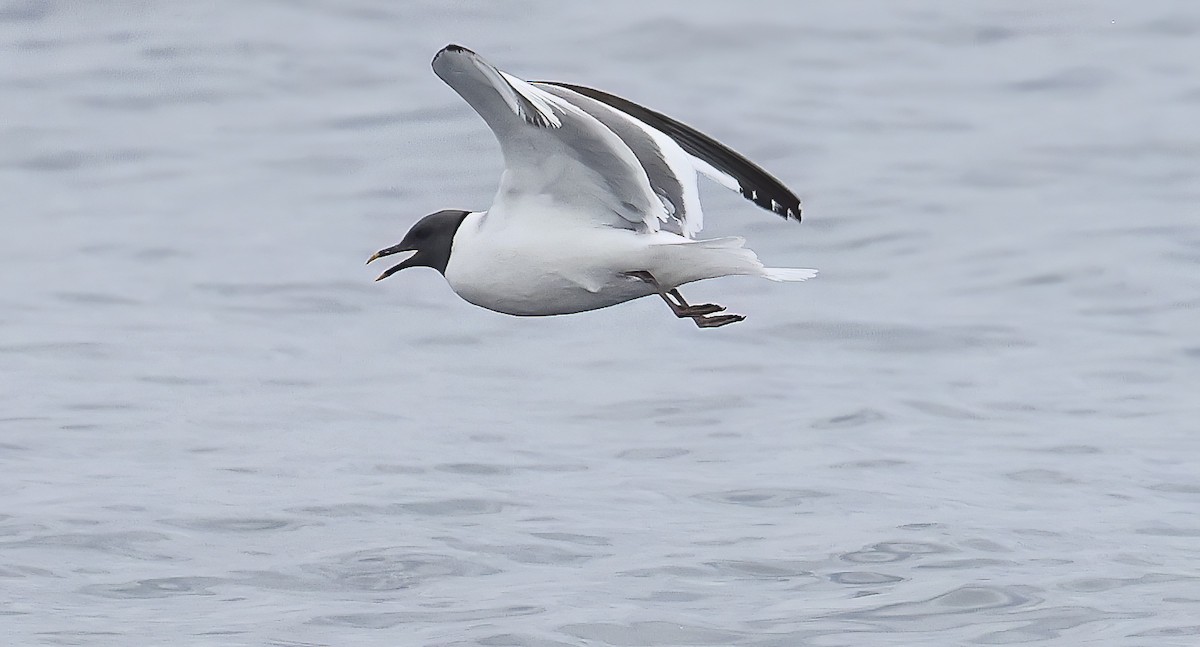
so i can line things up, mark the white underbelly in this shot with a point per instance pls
(547, 274)
(528, 295)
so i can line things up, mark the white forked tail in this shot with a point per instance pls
(788, 273)
(695, 260)
(747, 261)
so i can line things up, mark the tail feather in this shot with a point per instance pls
(788, 273)
(694, 260)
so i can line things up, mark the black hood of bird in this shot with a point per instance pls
(432, 238)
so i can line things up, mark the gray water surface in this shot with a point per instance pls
(977, 426)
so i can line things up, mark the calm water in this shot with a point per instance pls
(978, 426)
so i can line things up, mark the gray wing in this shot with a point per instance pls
(708, 156)
(552, 148)
(671, 174)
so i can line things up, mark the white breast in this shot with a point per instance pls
(516, 267)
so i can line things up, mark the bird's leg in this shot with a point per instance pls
(690, 310)
(683, 309)
(717, 321)
(679, 306)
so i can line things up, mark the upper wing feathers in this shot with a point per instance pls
(716, 159)
(671, 175)
(600, 156)
(553, 149)
(482, 86)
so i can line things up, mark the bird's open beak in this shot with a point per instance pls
(406, 256)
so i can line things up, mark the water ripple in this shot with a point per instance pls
(389, 619)
(126, 544)
(394, 568)
(863, 578)
(236, 524)
(762, 569)
(859, 418)
(893, 551)
(650, 633)
(444, 507)
(963, 600)
(156, 588)
(765, 497)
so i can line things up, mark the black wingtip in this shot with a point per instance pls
(452, 49)
(786, 210)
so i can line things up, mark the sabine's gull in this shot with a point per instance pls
(598, 204)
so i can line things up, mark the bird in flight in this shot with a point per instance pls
(598, 204)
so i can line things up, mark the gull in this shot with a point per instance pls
(598, 204)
